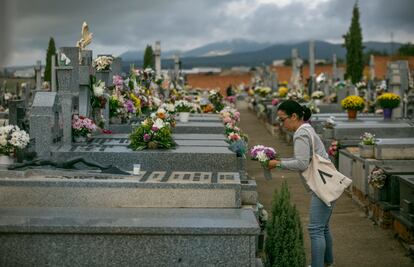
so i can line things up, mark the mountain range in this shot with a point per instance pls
(241, 52)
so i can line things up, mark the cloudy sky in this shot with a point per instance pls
(123, 25)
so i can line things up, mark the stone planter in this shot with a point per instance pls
(328, 133)
(6, 160)
(366, 151)
(184, 116)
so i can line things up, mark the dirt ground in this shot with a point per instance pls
(357, 240)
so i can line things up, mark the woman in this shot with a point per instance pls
(294, 118)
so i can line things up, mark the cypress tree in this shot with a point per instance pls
(354, 48)
(284, 241)
(51, 50)
(149, 60)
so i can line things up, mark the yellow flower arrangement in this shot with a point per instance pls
(283, 91)
(389, 100)
(136, 100)
(353, 102)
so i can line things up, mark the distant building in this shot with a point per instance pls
(24, 73)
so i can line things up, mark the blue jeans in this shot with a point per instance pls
(321, 240)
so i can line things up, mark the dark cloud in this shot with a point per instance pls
(183, 24)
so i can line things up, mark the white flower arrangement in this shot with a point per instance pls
(318, 95)
(368, 139)
(99, 88)
(103, 63)
(11, 138)
(183, 106)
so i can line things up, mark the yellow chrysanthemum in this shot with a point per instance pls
(353, 102)
(389, 100)
(283, 91)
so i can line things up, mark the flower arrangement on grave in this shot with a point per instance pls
(330, 122)
(263, 91)
(283, 91)
(333, 149)
(353, 102)
(318, 95)
(388, 100)
(368, 139)
(102, 63)
(207, 108)
(263, 155)
(216, 99)
(231, 99)
(377, 178)
(82, 126)
(118, 82)
(152, 134)
(162, 114)
(313, 107)
(230, 115)
(361, 85)
(183, 106)
(97, 88)
(12, 138)
(117, 107)
(169, 108)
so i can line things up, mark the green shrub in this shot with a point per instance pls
(284, 241)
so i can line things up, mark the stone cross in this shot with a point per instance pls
(85, 70)
(296, 65)
(398, 76)
(157, 52)
(176, 67)
(38, 73)
(312, 66)
(26, 90)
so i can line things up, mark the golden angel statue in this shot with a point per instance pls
(86, 38)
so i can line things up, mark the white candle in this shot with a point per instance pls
(137, 169)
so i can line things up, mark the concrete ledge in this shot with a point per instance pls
(127, 237)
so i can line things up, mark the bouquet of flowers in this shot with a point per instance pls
(275, 101)
(333, 149)
(377, 178)
(263, 155)
(82, 126)
(102, 63)
(263, 91)
(11, 138)
(318, 95)
(230, 115)
(353, 102)
(152, 134)
(98, 99)
(283, 91)
(183, 106)
(297, 96)
(368, 139)
(216, 99)
(389, 100)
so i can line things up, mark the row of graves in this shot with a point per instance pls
(126, 170)
(375, 149)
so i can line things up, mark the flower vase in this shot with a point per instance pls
(366, 151)
(6, 160)
(387, 113)
(184, 116)
(80, 139)
(267, 174)
(352, 114)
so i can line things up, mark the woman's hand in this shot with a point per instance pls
(273, 163)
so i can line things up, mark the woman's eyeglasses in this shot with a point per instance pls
(283, 119)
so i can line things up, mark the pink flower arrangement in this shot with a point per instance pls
(231, 99)
(233, 136)
(82, 126)
(118, 82)
(229, 115)
(333, 149)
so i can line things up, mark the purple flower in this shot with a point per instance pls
(154, 129)
(129, 106)
(147, 137)
(118, 81)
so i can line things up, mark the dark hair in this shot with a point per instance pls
(291, 106)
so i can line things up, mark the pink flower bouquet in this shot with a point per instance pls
(263, 155)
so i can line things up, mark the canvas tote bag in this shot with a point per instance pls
(323, 178)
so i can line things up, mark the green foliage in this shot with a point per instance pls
(149, 59)
(51, 50)
(406, 49)
(284, 241)
(114, 105)
(354, 48)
